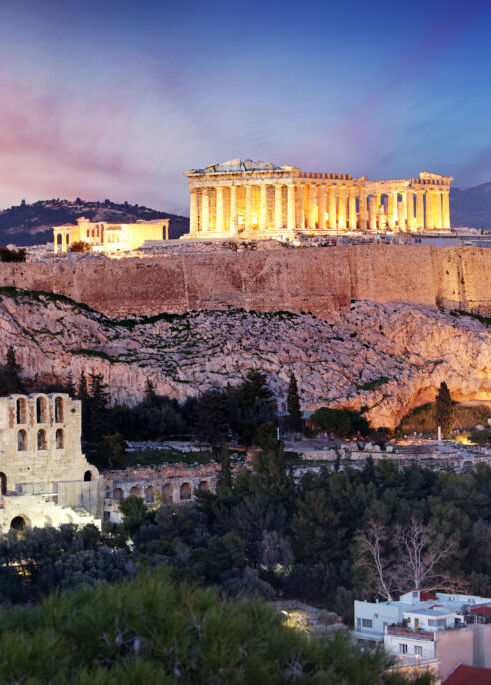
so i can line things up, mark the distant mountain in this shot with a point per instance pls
(26, 224)
(471, 206)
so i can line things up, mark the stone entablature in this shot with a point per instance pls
(249, 199)
(108, 237)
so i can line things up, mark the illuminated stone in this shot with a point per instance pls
(263, 200)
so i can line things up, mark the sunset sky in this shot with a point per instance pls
(115, 99)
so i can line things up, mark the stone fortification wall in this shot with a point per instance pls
(321, 280)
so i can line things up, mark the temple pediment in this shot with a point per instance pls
(236, 165)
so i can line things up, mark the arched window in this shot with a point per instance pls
(167, 493)
(186, 491)
(60, 442)
(41, 439)
(150, 494)
(59, 410)
(204, 486)
(135, 490)
(3, 483)
(118, 494)
(87, 477)
(41, 410)
(21, 410)
(22, 440)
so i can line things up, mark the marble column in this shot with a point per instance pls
(429, 223)
(322, 207)
(205, 208)
(332, 207)
(233, 209)
(219, 209)
(446, 209)
(301, 206)
(278, 207)
(420, 210)
(312, 206)
(437, 209)
(401, 215)
(362, 213)
(291, 207)
(390, 210)
(193, 211)
(342, 208)
(411, 223)
(352, 209)
(372, 213)
(248, 208)
(263, 206)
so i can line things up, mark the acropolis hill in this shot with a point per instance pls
(320, 280)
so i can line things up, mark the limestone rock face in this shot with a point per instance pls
(386, 358)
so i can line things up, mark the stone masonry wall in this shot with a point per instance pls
(320, 280)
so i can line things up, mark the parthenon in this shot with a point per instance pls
(247, 199)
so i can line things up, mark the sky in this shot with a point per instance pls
(115, 99)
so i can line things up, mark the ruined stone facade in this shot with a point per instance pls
(108, 238)
(260, 200)
(168, 484)
(41, 462)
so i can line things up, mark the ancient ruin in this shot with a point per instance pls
(260, 200)
(45, 479)
(106, 237)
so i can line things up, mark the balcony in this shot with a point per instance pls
(415, 633)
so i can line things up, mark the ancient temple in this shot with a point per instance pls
(246, 199)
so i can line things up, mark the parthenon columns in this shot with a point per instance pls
(437, 209)
(342, 208)
(219, 209)
(362, 210)
(372, 213)
(332, 207)
(205, 206)
(420, 209)
(263, 207)
(445, 209)
(322, 207)
(278, 207)
(429, 223)
(411, 222)
(352, 209)
(233, 209)
(193, 214)
(291, 206)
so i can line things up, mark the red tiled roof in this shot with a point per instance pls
(481, 610)
(425, 595)
(469, 675)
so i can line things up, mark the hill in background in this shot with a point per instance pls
(30, 224)
(471, 206)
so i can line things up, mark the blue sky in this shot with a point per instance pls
(116, 99)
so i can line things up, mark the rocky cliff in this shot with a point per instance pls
(320, 280)
(384, 357)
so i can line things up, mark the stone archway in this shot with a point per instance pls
(87, 476)
(186, 491)
(204, 486)
(19, 523)
(3, 484)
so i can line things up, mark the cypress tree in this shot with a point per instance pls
(293, 406)
(444, 411)
(150, 397)
(225, 476)
(10, 381)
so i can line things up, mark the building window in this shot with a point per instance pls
(41, 410)
(21, 410)
(41, 439)
(418, 650)
(358, 622)
(437, 622)
(402, 648)
(21, 440)
(366, 622)
(59, 439)
(59, 410)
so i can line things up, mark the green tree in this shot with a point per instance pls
(111, 452)
(225, 476)
(134, 512)
(293, 405)
(211, 422)
(444, 409)
(10, 381)
(79, 246)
